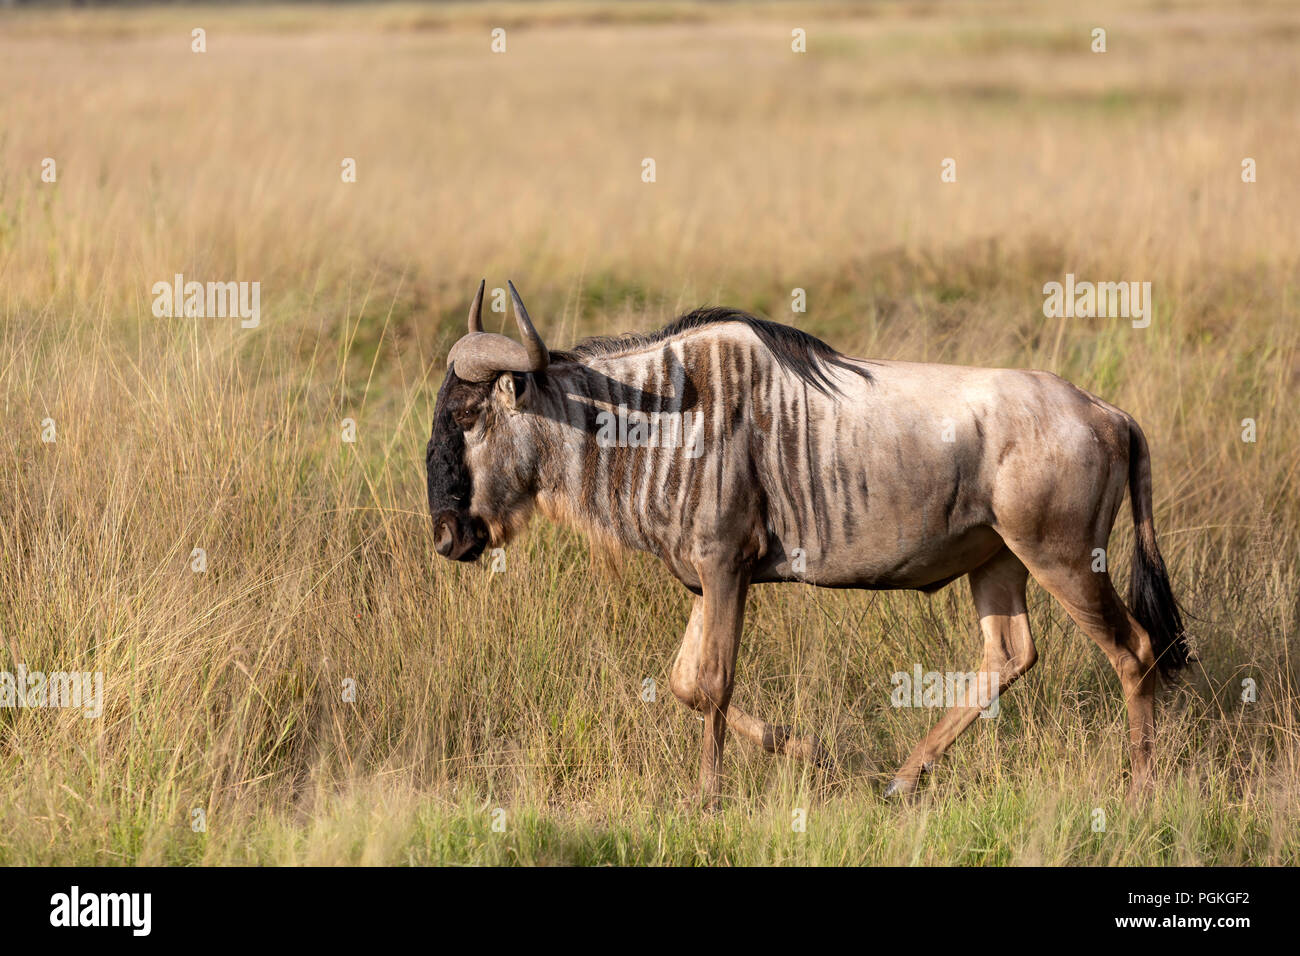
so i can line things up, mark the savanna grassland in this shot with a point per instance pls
(522, 690)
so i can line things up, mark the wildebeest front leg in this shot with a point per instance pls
(704, 672)
(773, 738)
(776, 739)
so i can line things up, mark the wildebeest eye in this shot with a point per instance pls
(465, 417)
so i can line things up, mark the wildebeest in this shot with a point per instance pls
(742, 451)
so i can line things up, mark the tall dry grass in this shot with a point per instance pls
(521, 690)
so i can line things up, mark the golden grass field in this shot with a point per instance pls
(521, 690)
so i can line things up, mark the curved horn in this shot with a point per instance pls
(480, 356)
(476, 310)
(537, 352)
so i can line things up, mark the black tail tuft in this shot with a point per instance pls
(1149, 594)
(1153, 604)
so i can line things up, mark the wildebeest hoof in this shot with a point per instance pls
(898, 787)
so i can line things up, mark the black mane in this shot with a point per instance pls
(799, 353)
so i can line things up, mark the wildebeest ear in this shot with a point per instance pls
(512, 387)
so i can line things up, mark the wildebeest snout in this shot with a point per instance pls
(459, 537)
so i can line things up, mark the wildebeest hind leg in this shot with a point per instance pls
(998, 587)
(1090, 599)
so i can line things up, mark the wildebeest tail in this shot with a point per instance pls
(1150, 595)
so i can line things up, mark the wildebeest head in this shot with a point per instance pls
(482, 457)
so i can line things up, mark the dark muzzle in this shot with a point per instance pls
(460, 538)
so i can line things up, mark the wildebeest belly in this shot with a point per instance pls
(883, 558)
(880, 563)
